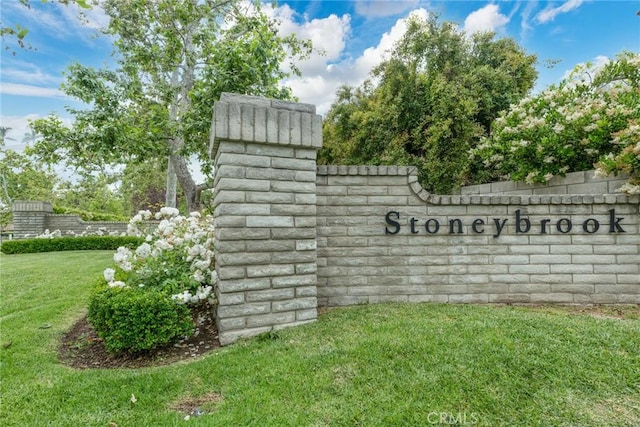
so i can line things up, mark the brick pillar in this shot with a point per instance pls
(30, 218)
(265, 214)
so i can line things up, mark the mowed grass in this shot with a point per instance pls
(377, 365)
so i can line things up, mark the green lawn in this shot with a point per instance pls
(380, 365)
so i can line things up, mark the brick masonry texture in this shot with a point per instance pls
(265, 214)
(32, 218)
(547, 248)
(573, 183)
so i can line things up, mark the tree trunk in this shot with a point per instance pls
(171, 196)
(182, 78)
(187, 183)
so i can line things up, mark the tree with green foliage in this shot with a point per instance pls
(142, 186)
(590, 118)
(4, 130)
(96, 193)
(429, 103)
(175, 59)
(30, 137)
(23, 178)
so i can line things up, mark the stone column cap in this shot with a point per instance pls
(259, 101)
(31, 206)
(264, 120)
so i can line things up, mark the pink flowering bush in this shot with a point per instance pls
(590, 118)
(175, 262)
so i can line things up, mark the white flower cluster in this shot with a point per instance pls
(110, 277)
(123, 258)
(101, 231)
(629, 188)
(202, 294)
(177, 243)
(49, 234)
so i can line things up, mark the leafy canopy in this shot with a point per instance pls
(427, 105)
(22, 178)
(175, 58)
(16, 34)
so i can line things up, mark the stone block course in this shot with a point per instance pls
(552, 298)
(246, 309)
(633, 279)
(269, 270)
(271, 319)
(270, 295)
(244, 284)
(538, 260)
(295, 304)
(270, 151)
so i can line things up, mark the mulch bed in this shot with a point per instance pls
(81, 347)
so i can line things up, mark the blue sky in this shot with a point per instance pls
(353, 34)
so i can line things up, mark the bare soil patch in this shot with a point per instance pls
(197, 406)
(81, 347)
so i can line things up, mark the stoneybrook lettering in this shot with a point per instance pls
(523, 224)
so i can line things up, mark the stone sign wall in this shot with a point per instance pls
(32, 218)
(291, 236)
(381, 237)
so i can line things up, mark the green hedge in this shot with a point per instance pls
(90, 216)
(90, 243)
(131, 320)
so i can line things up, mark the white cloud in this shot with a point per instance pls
(329, 36)
(94, 18)
(488, 18)
(525, 25)
(55, 19)
(595, 65)
(318, 84)
(550, 13)
(30, 90)
(380, 9)
(317, 90)
(375, 55)
(47, 19)
(27, 72)
(19, 128)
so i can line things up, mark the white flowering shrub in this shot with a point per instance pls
(176, 258)
(100, 231)
(626, 161)
(590, 118)
(49, 234)
(175, 263)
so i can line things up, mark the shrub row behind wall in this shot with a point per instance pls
(25, 246)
